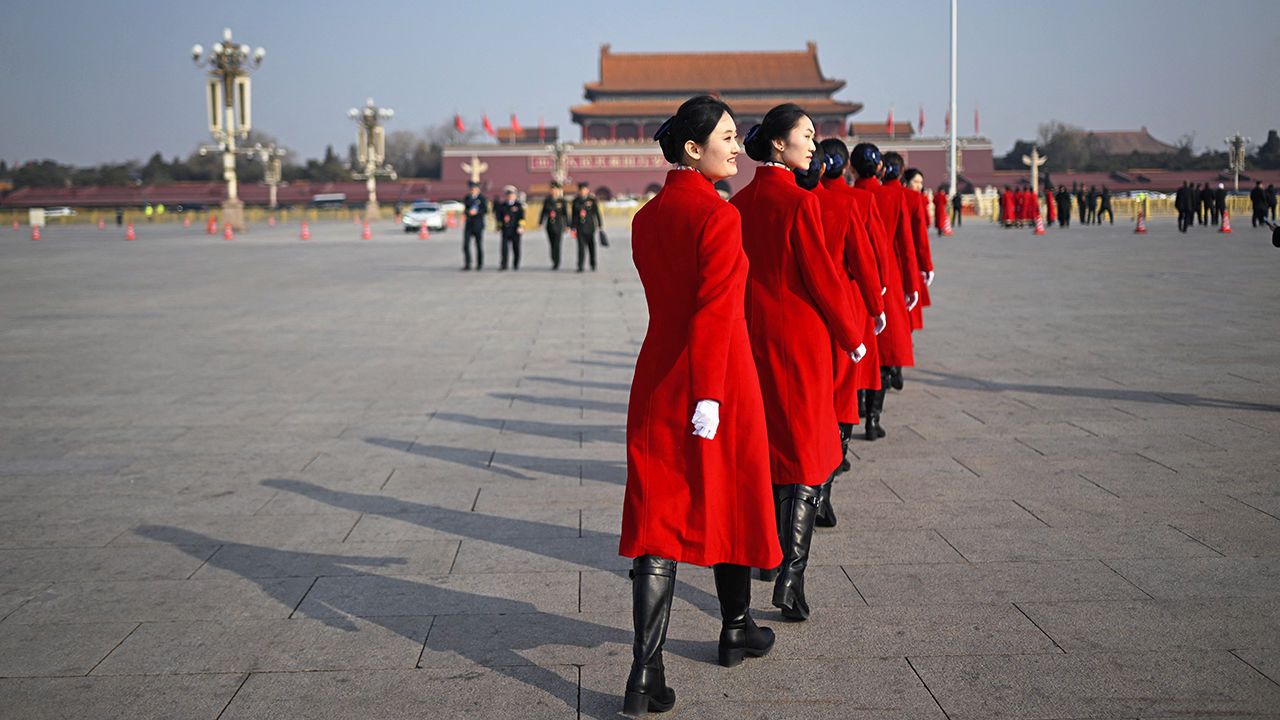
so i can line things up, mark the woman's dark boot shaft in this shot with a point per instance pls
(799, 508)
(739, 635)
(653, 581)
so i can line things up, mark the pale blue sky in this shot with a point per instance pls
(86, 82)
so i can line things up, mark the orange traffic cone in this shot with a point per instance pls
(212, 227)
(186, 222)
(128, 232)
(1039, 225)
(306, 231)
(946, 224)
(1142, 224)
(453, 221)
(226, 232)
(1226, 222)
(35, 232)
(15, 226)
(366, 234)
(271, 221)
(102, 225)
(423, 232)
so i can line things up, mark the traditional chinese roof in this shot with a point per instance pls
(662, 109)
(719, 72)
(1123, 142)
(880, 129)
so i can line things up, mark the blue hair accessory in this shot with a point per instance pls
(751, 134)
(834, 162)
(664, 128)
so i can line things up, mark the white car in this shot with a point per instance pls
(63, 211)
(452, 206)
(423, 212)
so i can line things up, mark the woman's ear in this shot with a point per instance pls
(692, 150)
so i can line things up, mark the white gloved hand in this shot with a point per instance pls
(859, 353)
(912, 299)
(706, 419)
(928, 277)
(883, 290)
(880, 323)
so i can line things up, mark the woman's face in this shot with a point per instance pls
(717, 159)
(917, 183)
(797, 148)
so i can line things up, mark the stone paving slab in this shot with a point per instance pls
(1203, 577)
(98, 602)
(1116, 626)
(200, 697)
(992, 582)
(54, 650)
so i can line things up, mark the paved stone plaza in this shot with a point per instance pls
(341, 479)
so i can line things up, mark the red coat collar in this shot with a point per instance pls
(867, 183)
(772, 173)
(690, 179)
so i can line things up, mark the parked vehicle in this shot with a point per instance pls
(423, 212)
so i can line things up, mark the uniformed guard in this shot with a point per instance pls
(586, 221)
(510, 215)
(555, 215)
(475, 208)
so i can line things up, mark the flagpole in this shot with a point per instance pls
(952, 145)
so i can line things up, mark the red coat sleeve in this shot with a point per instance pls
(905, 247)
(924, 258)
(829, 288)
(861, 263)
(717, 306)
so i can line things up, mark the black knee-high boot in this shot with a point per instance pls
(799, 509)
(895, 377)
(739, 634)
(846, 433)
(826, 513)
(771, 574)
(653, 581)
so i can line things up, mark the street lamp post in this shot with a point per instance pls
(1236, 157)
(371, 151)
(227, 96)
(271, 158)
(560, 167)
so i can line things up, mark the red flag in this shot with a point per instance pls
(515, 125)
(457, 122)
(976, 131)
(488, 126)
(948, 123)
(920, 129)
(888, 125)
(542, 130)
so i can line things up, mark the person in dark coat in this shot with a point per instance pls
(1104, 205)
(1258, 198)
(1207, 214)
(1091, 199)
(1181, 201)
(586, 221)
(510, 216)
(555, 215)
(1271, 202)
(957, 205)
(1063, 199)
(475, 207)
(1080, 205)
(1220, 201)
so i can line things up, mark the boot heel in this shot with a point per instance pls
(788, 600)
(636, 704)
(729, 657)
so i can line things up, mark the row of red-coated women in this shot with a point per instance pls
(1018, 206)
(775, 320)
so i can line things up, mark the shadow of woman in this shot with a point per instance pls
(335, 609)
(609, 471)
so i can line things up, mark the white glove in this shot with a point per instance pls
(880, 323)
(928, 277)
(858, 353)
(912, 299)
(706, 419)
(883, 290)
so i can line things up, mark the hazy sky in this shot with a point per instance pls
(90, 81)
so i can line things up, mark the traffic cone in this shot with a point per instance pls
(15, 226)
(453, 221)
(186, 222)
(128, 232)
(226, 232)
(271, 221)
(366, 233)
(946, 224)
(1226, 223)
(1039, 225)
(306, 231)
(423, 232)
(102, 224)
(35, 232)
(1142, 224)
(212, 227)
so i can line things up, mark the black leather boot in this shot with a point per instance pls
(653, 581)
(826, 513)
(739, 635)
(846, 434)
(771, 574)
(799, 508)
(895, 377)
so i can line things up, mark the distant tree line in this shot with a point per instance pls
(413, 154)
(1074, 149)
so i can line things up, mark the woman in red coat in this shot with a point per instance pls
(895, 349)
(1051, 213)
(698, 487)
(919, 236)
(941, 206)
(1006, 207)
(913, 179)
(796, 302)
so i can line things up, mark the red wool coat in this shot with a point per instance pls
(689, 499)
(941, 207)
(797, 302)
(924, 252)
(1006, 207)
(846, 242)
(919, 235)
(1050, 211)
(1030, 206)
(895, 341)
(862, 264)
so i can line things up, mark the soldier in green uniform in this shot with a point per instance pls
(556, 215)
(586, 221)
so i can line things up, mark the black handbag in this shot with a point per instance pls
(604, 239)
